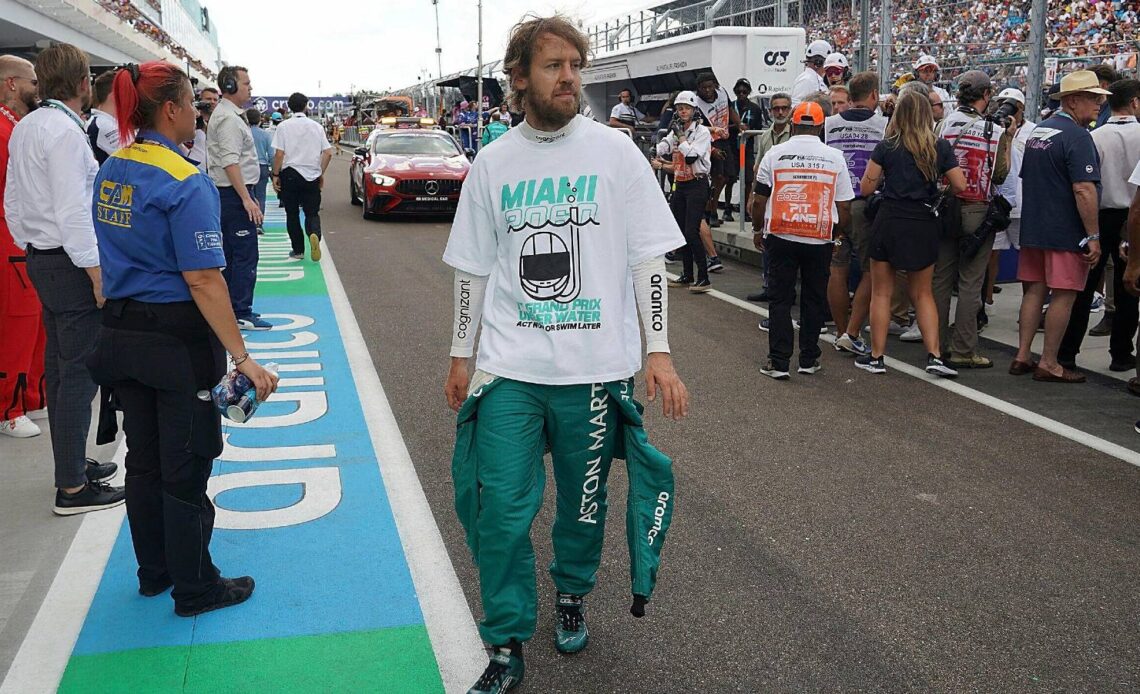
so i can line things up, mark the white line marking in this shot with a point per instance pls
(46, 649)
(451, 628)
(1028, 416)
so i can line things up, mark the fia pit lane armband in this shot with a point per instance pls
(469, 293)
(652, 302)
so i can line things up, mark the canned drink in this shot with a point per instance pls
(244, 408)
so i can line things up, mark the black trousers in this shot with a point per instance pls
(688, 205)
(1124, 321)
(298, 194)
(786, 260)
(71, 319)
(157, 358)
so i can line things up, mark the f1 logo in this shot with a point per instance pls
(776, 58)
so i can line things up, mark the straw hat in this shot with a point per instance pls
(1081, 81)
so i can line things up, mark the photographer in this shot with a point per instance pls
(1060, 236)
(982, 148)
(207, 100)
(165, 322)
(686, 153)
(1010, 189)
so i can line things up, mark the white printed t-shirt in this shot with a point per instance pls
(805, 178)
(557, 220)
(716, 113)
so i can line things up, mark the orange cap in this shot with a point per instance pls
(808, 113)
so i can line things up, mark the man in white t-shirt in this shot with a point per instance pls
(811, 81)
(558, 242)
(626, 115)
(298, 173)
(103, 126)
(803, 193)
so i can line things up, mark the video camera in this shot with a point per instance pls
(204, 106)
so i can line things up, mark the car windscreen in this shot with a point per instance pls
(415, 145)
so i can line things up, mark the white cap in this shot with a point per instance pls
(686, 97)
(836, 60)
(1013, 95)
(925, 60)
(818, 49)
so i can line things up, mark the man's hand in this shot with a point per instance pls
(716, 153)
(659, 374)
(1092, 253)
(455, 389)
(321, 182)
(758, 240)
(1132, 277)
(96, 275)
(252, 209)
(276, 184)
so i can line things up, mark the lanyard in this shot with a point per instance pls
(58, 105)
(8, 114)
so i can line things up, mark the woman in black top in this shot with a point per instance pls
(907, 165)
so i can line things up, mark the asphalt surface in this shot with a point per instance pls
(840, 531)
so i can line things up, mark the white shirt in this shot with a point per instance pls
(627, 114)
(229, 141)
(557, 220)
(1118, 144)
(1010, 188)
(1134, 179)
(198, 151)
(302, 140)
(51, 172)
(716, 113)
(809, 82)
(107, 138)
(698, 143)
(805, 179)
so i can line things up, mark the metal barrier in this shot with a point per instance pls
(742, 143)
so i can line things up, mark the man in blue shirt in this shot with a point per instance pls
(1060, 236)
(263, 142)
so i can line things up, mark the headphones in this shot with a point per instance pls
(228, 83)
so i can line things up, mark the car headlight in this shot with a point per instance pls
(381, 180)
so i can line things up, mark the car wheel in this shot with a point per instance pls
(354, 195)
(365, 213)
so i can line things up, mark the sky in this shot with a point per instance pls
(312, 47)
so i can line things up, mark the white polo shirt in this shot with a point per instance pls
(1118, 144)
(809, 82)
(805, 179)
(303, 140)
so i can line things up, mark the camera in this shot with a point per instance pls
(1003, 114)
(204, 106)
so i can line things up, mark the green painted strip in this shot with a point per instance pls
(387, 660)
(313, 283)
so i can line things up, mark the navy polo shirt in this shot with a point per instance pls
(1059, 154)
(156, 215)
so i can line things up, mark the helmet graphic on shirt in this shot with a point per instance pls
(548, 269)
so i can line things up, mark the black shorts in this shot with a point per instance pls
(905, 235)
(727, 167)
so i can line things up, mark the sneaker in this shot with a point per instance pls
(570, 632)
(503, 673)
(810, 369)
(1097, 305)
(20, 428)
(970, 361)
(935, 365)
(36, 415)
(671, 258)
(853, 345)
(260, 231)
(231, 591)
(296, 256)
(314, 247)
(983, 319)
(760, 296)
(714, 264)
(1119, 366)
(1137, 426)
(770, 369)
(95, 496)
(728, 216)
(765, 325)
(149, 589)
(700, 287)
(912, 334)
(681, 281)
(99, 471)
(895, 329)
(715, 221)
(254, 323)
(875, 365)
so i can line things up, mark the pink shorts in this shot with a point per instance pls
(1057, 269)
